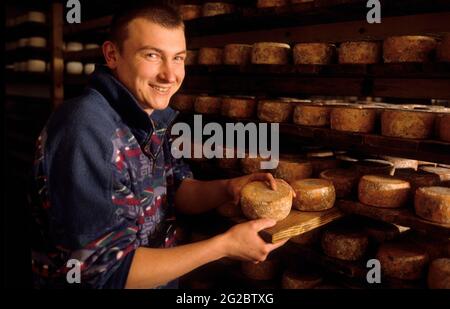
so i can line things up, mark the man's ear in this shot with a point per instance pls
(111, 54)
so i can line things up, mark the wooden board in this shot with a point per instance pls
(401, 216)
(299, 222)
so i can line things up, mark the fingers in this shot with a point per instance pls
(277, 244)
(265, 177)
(261, 224)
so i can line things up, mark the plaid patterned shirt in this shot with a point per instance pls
(104, 185)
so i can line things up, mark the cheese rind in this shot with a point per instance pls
(217, 8)
(383, 191)
(238, 107)
(183, 102)
(270, 53)
(237, 54)
(439, 274)
(315, 115)
(344, 245)
(293, 170)
(433, 204)
(443, 51)
(407, 123)
(344, 180)
(313, 53)
(313, 194)
(274, 111)
(353, 119)
(444, 127)
(408, 48)
(270, 3)
(359, 52)
(207, 105)
(210, 56)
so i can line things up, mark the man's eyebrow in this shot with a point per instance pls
(159, 50)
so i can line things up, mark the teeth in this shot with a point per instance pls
(160, 89)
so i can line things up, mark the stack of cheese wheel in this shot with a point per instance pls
(433, 204)
(402, 260)
(439, 274)
(321, 161)
(308, 238)
(229, 160)
(293, 169)
(190, 11)
(210, 56)
(344, 180)
(275, 111)
(270, 3)
(408, 48)
(217, 8)
(265, 270)
(296, 280)
(442, 172)
(408, 122)
(443, 51)
(313, 194)
(183, 102)
(402, 163)
(373, 166)
(313, 53)
(443, 127)
(238, 107)
(314, 114)
(380, 231)
(258, 200)
(191, 57)
(270, 53)
(383, 191)
(359, 52)
(251, 165)
(207, 105)
(36, 65)
(229, 210)
(237, 54)
(344, 244)
(353, 118)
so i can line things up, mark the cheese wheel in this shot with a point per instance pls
(252, 165)
(355, 118)
(402, 163)
(238, 107)
(433, 204)
(229, 210)
(402, 260)
(313, 53)
(295, 280)
(91, 46)
(407, 123)
(359, 52)
(308, 238)
(89, 68)
(258, 200)
(344, 180)
(74, 46)
(381, 231)
(418, 179)
(35, 16)
(191, 57)
(270, 53)
(383, 191)
(408, 48)
(313, 194)
(36, 65)
(275, 111)
(74, 67)
(37, 41)
(210, 56)
(190, 11)
(237, 54)
(207, 105)
(217, 8)
(291, 170)
(442, 172)
(183, 102)
(348, 245)
(439, 274)
(265, 270)
(443, 50)
(270, 3)
(372, 166)
(321, 164)
(314, 115)
(444, 128)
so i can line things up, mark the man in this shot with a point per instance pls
(107, 183)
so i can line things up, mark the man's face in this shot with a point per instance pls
(151, 64)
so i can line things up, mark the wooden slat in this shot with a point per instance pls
(412, 88)
(401, 216)
(84, 55)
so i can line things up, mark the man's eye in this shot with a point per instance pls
(152, 55)
(179, 58)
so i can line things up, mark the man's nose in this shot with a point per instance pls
(167, 72)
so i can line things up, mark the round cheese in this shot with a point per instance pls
(359, 52)
(270, 3)
(74, 67)
(433, 204)
(313, 194)
(207, 105)
(210, 56)
(439, 274)
(291, 170)
(371, 167)
(91, 46)
(217, 8)
(36, 65)
(238, 107)
(348, 245)
(355, 118)
(321, 164)
(183, 102)
(35, 16)
(295, 280)
(381, 231)
(313, 53)
(252, 165)
(407, 123)
(344, 180)
(264, 270)
(258, 200)
(402, 163)
(442, 172)
(229, 210)
(191, 57)
(443, 51)
(74, 46)
(444, 128)
(383, 191)
(275, 111)
(418, 179)
(37, 41)
(190, 11)
(402, 261)
(408, 48)
(237, 54)
(314, 115)
(270, 53)
(89, 68)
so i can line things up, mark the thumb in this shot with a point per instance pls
(261, 224)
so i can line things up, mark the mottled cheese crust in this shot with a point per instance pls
(217, 8)
(210, 56)
(313, 194)
(237, 54)
(359, 52)
(408, 48)
(433, 204)
(238, 107)
(439, 274)
(353, 119)
(383, 191)
(314, 115)
(344, 245)
(344, 180)
(183, 102)
(207, 105)
(275, 111)
(290, 170)
(407, 123)
(313, 53)
(270, 53)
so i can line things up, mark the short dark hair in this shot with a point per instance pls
(157, 12)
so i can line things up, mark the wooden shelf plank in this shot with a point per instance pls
(401, 216)
(84, 55)
(88, 25)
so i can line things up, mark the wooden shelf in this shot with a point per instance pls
(401, 216)
(28, 77)
(84, 55)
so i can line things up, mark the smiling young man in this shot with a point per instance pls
(106, 183)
